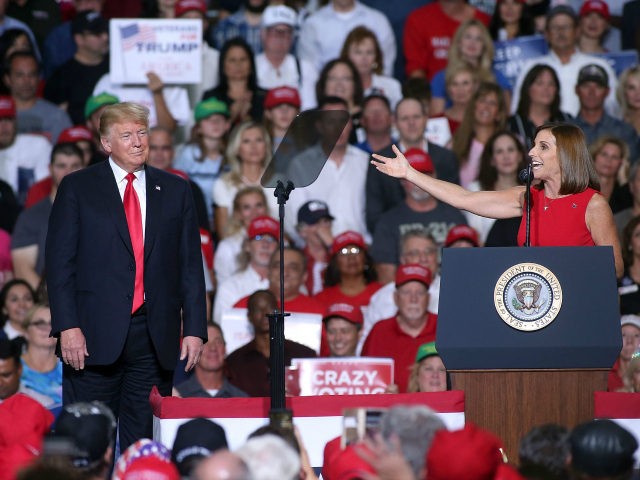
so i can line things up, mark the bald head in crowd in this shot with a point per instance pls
(222, 465)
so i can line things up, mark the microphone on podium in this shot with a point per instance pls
(526, 175)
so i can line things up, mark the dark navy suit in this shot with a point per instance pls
(90, 272)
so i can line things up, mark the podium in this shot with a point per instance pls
(528, 333)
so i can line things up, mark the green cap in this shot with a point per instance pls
(210, 106)
(97, 101)
(426, 350)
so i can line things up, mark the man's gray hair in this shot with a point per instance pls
(415, 426)
(269, 457)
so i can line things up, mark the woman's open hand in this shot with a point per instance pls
(394, 167)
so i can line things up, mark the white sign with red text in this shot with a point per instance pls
(172, 49)
(341, 376)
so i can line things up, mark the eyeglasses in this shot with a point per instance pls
(419, 253)
(266, 238)
(349, 251)
(42, 324)
(280, 32)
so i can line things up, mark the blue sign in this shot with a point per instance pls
(510, 55)
(620, 61)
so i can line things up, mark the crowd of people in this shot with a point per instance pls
(434, 138)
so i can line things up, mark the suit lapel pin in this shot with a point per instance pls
(158, 187)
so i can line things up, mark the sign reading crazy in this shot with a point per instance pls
(169, 48)
(339, 376)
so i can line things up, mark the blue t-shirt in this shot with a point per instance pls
(204, 173)
(45, 383)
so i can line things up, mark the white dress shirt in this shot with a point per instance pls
(139, 185)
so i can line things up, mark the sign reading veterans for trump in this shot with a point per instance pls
(528, 296)
(510, 55)
(172, 49)
(339, 376)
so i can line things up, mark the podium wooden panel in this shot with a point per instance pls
(511, 402)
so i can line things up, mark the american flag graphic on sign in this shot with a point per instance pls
(134, 33)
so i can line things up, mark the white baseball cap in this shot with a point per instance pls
(279, 14)
(630, 320)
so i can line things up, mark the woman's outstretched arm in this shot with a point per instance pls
(492, 204)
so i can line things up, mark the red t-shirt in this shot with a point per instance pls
(38, 191)
(614, 382)
(301, 304)
(558, 222)
(428, 32)
(386, 339)
(331, 295)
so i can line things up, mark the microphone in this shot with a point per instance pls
(526, 175)
(523, 175)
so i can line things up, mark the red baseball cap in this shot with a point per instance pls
(7, 107)
(281, 96)
(348, 312)
(466, 454)
(348, 465)
(264, 226)
(184, 6)
(148, 467)
(75, 134)
(413, 272)
(597, 6)
(420, 160)
(462, 232)
(347, 238)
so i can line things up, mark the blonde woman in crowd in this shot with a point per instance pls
(631, 377)
(249, 203)
(628, 95)
(247, 155)
(471, 45)
(41, 368)
(462, 82)
(428, 373)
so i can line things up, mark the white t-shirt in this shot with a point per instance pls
(234, 288)
(25, 162)
(342, 188)
(288, 75)
(323, 33)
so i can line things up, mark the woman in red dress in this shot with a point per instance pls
(566, 206)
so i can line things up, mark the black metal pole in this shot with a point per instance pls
(279, 415)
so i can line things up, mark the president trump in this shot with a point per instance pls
(124, 274)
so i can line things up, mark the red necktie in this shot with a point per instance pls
(134, 221)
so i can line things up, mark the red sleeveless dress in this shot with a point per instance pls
(559, 222)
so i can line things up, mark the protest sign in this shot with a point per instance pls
(339, 376)
(304, 328)
(510, 55)
(620, 61)
(170, 48)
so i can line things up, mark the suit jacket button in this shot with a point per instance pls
(132, 266)
(129, 296)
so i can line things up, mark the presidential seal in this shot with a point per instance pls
(527, 297)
